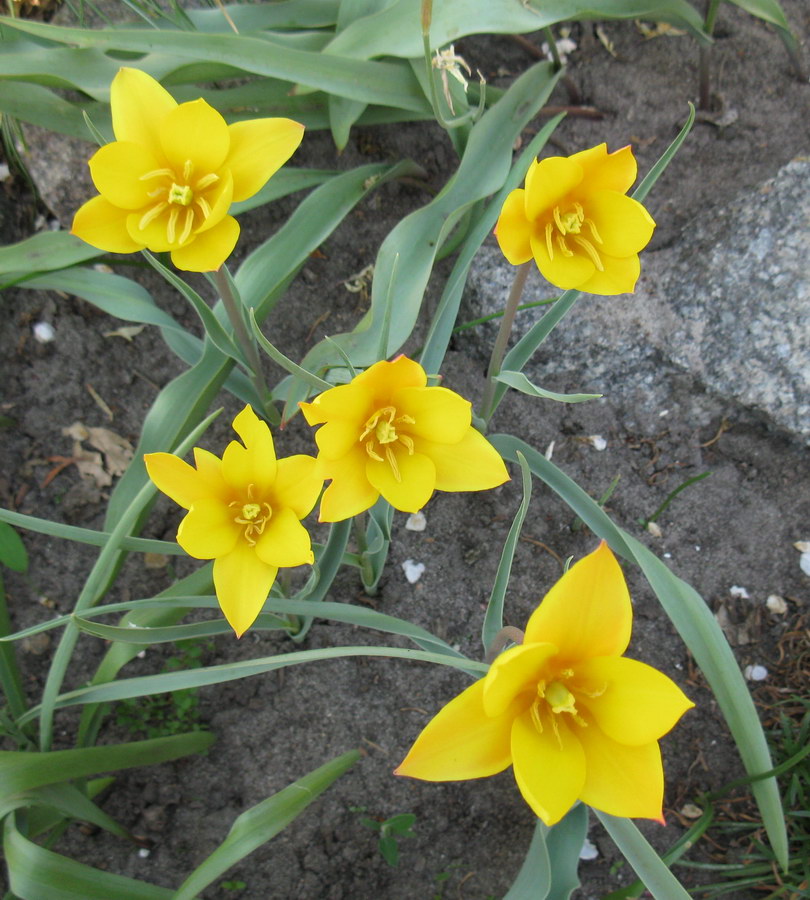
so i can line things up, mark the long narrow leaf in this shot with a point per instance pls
(263, 822)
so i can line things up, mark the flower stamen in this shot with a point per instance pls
(206, 181)
(254, 516)
(589, 248)
(187, 226)
(156, 173)
(172, 225)
(151, 214)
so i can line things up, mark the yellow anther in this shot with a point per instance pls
(372, 453)
(392, 461)
(563, 246)
(557, 220)
(206, 181)
(156, 173)
(408, 442)
(181, 194)
(151, 214)
(589, 248)
(549, 245)
(205, 206)
(188, 168)
(594, 232)
(187, 226)
(171, 227)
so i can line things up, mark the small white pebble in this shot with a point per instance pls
(413, 570)
(804, 563)
(588, 851)
(43, 332)
(416, 521)
(755, 673)
(144, 853)
(739, 592)
(141, 654)
(663, 413)
(654, 529)
(103, 268)
(549, 450)
(599, 443)
(697, 548)
(802, 546)
(667, 556)
(691, 811)
(776, 604)
(4, 172)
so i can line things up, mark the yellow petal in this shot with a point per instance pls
(514, 230)
(624, 225)
(633, 703)
(383, 378)
(515, 671)
(209, 250)
(242, 582)
(255, 462)
(139, 106)
(350, 491)
(209, 529)
(548, 181)
(103, 225)
(209, 471)
(337, 437)
(349, 403)
(285, 541)
(259, 148)
(472, 464)
(116, 169)
(619, 276)
(219, 198)
(621, 780)
(195, 132)
(413, 488)
(441, 415)
(560, 270)
(587, 613)
(176, 478)
(549, 765)
(607, 171)
(460, 742)
(296, 486)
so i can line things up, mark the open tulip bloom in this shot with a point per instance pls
(387, 433)
(574, 718)
(244, 512)
(573, 218)
(169, 178)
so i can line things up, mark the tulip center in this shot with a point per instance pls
(553, 699)
(380, 434)
(566, 225)
(180, 204)
(252, 515)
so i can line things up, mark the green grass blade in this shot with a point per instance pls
(646, 863)
(39, 874)
(45, 252)
(564, 844)
(87, 535)
(520, 382)
(263, 822)
(415, 240)
(194, 678)
(493, 618)
(533, 881)
(384, 83)
(10, 678)
(24, 770)
(444, 320)
(696, 625)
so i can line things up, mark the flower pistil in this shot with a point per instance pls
(382, 428)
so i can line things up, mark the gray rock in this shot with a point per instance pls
(727, 305)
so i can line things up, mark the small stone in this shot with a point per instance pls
(654, 529)
(776, 604)
(739, 592)
(416, 522)
(155, 560)
(690, 811)
(143, 853)
(37, 644)
(44, 332)
(755, 673)
(802, 546)
(804, 563)
(588, 851)
(413, 570)
(599, 443)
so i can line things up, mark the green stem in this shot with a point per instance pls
(233, 307)
(704, 101)
(501, 341)
(552, 46)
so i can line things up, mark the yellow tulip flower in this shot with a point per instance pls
(387, 433)
(574, 718)
(244, 512)
(573, 217)
(169, 178)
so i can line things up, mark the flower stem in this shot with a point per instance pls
(552, 46)
(704, 101)
(233, 307)
(499, 347)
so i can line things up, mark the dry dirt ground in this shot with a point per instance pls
(735, 528)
